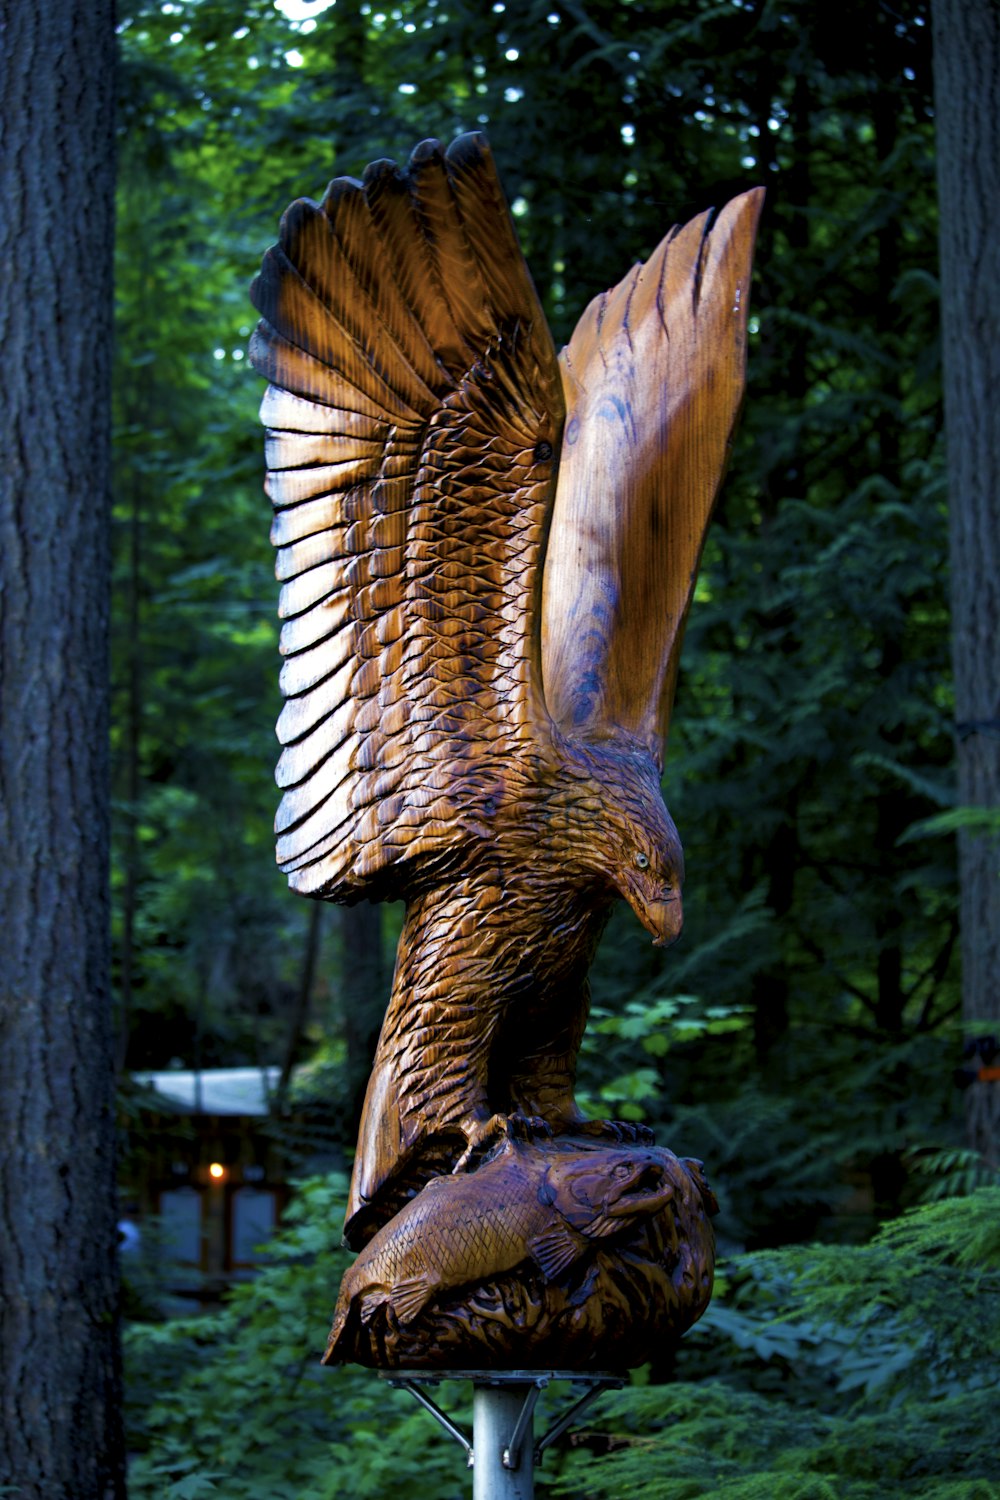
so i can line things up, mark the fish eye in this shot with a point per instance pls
(621, 1169)
(641, 861)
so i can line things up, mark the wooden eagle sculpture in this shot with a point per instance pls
(488, 553)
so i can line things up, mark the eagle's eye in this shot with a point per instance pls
(642, 861)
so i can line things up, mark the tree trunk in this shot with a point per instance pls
(300, 1009)
(363, 994)
(60, 1428)
(967, 101)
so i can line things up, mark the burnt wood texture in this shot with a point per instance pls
(487, 555)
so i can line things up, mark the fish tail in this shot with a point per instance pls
(335, 1355)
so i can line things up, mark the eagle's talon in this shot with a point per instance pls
(480, 1137)
(527, 1127)
(622, 1132)
(483, 1136)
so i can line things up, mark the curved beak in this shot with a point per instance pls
(663, 917)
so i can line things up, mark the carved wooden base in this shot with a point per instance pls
(569, 1253)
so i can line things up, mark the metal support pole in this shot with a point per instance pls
(503, 1453)
(502, 1441)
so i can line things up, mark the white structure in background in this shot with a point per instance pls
(219, 1209)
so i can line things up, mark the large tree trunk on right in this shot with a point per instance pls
(60, 1422)
(967, 106)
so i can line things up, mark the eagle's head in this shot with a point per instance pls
(649, 876)
(627, 837)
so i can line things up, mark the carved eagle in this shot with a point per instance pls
(487, 556)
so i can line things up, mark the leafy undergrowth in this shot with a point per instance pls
(235, 1403)
(690, 1442)
(818, 1372)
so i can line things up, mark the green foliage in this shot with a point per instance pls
(816, 656)
(237, 1400)
(799, 1040)
(956, 819)
(948, 1172)
(649, 1024)
(199, 924)
(708, 1442)
(885, 1322)
(849, 1371)
(812, 733)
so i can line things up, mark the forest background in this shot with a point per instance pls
(803, 1038)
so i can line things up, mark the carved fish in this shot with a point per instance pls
(524, 1204)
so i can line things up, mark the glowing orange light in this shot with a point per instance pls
(216, 1170)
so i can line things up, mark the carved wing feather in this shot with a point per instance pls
(412, 381)
(653, 378)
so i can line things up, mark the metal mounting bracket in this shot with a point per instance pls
(494, 1412)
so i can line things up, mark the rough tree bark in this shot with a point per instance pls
(60, 1432)
(967, 103)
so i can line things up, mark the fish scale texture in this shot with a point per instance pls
(540, 1256)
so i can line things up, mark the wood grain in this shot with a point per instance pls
(412, 419)
(487, 557)
(653, 378)
(564, 1254)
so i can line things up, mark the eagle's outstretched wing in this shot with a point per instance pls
(653, 379)
(414, 413)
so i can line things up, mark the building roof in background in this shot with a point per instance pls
(213, 1091)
